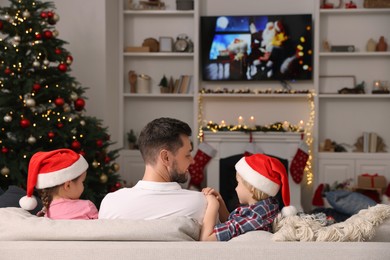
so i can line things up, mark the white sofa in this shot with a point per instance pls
(24, 236)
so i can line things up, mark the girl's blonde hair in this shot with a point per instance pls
(256, 193)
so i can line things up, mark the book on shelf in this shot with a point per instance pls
(184, 84)
(370, 142)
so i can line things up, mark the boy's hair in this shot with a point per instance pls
(256, 193)
(161, 133)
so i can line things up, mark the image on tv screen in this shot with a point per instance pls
(257, 47)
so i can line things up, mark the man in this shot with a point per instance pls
(165, 147)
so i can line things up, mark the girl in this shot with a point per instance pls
(59, 175)
(259, 178)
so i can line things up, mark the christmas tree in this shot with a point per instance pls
(41, 106)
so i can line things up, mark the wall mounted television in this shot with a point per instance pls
(257, 47)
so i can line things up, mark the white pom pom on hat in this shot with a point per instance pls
(269, 175)
(49, 169)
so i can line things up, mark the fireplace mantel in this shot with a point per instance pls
(283, 145)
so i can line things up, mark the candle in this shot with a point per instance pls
(240, 120)
(252, 122)
(286, 126)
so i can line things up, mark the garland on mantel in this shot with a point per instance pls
(275, 127)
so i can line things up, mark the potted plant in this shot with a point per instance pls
(131, 139)
(164, 88)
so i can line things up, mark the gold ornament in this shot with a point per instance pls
(103, 178)
(116, 167)
(5, 171)
(95, 164)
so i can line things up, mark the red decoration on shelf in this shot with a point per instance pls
(59, 102)
(76, 145)
(62, 67)
(99, 143)
(24, 123)
(36, 87)
(51, 134)
(79, 104)
(47, 34)
(350, 5)
(4, 150)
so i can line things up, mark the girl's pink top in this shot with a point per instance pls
(72, 209)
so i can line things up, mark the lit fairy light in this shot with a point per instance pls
(309, 140)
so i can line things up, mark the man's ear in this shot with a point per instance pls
(164, 157)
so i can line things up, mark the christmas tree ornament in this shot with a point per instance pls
(103, 178)
(4, 150)
(30, 102)
(7, 17)
(95, 164)
(7, 71)
(74, 96)
(43, 15)
(51, 134)
(50, 14)
(82, 122)
(36, 87)
(24, 123)
(202, 157)
(1, 25)
(26, 14)
(36, 64)
(55, 17)
(59, 102)
(116, 167)
(56, 33)
(60, 125)
(7, 118)
(46, 62)
(16, 38)
(69, 60)
(66, 107)
(299, 161)
(76, 145)
(47, 34)
(107, 159)
(58, 51)
(99, 143)
(62, 67)
(31, 140)
(79, 104)
(38, 36)
(5, 171)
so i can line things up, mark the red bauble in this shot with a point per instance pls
(62, 67)
(38, 36)
(75, 145)
(1, 25)
(24, 123)
(58, 51)
(44, 15)
(59, 102)
(82, 152)
(99, 143)
(47, 34)
(69, 59)
(36, 87)
(51, 135)
(4, 150)
(60, 125)
(107, 159)
(79, 104)
(50, 14)
(7, 71)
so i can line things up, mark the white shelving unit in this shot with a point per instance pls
(344, 117)
(137, 109)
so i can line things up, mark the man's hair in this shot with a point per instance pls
(161, 133)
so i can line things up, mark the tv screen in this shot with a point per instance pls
(257, 47)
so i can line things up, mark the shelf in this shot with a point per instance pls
(355, 54)
(159, 54)
(159, 12)
(254, 95)
(354, 96)
(368, 156)
(355, 11)
(168, 95)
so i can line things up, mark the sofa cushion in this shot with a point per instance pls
(348, 202)
(18, 224)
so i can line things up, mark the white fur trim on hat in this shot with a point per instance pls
(58, 177)
(289, 211)
(256, 179)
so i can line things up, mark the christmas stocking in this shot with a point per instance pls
(298, 163)
(317, 200)
(202, 157)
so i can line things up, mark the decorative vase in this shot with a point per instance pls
(132, 81)
(371, 45)
(382, 45)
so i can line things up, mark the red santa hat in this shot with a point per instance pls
(267, 174)
(49, 169)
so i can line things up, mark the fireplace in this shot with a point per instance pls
(282, 145)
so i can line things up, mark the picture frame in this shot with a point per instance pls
(331, 84)
(166, 44)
